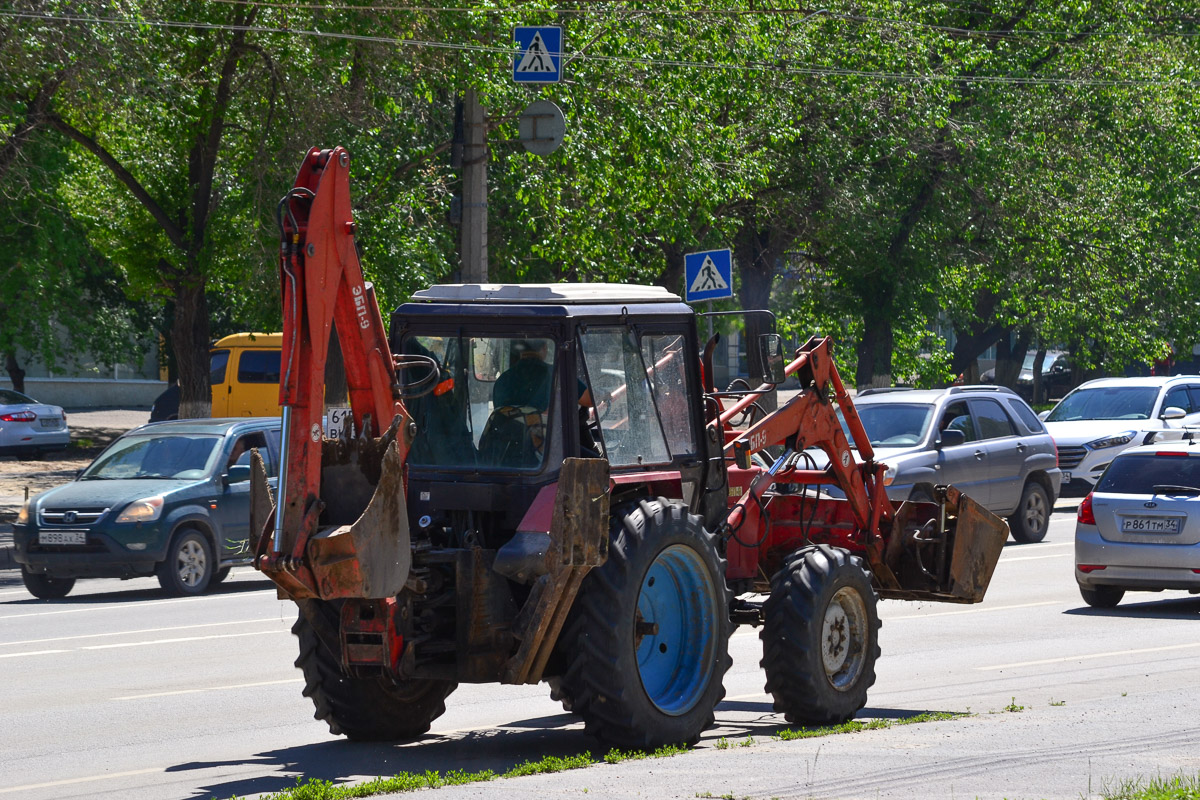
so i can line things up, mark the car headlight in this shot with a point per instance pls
(889, 475)
(23, 514)
(146, 510)
(1113, 441)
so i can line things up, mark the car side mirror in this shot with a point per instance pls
(950, 438)
(238, 473)
(1172, 412)
(1043, 414)
(770, 355)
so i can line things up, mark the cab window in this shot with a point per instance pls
(628, 419)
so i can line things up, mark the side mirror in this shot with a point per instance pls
(1172, 412)
(770, 354)
(1043, 414)
(950, 438)
(238, 473)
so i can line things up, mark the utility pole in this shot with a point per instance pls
(473, 246)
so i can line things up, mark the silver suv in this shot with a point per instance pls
(985, 440)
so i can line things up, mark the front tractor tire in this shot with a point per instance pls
(646, 645)
(820, 636)
(376, 709)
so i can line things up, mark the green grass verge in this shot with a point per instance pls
(317, 789)
(1180, 787)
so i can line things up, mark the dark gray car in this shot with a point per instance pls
(985, 440)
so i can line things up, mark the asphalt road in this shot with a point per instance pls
(119, 692)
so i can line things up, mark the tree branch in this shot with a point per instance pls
(173, 232)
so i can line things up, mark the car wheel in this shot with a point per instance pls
(189, 567)
(1101, 596)
(45, 587)
(219, 576)
(1032, 519)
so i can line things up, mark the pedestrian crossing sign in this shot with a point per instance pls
(539, 54)
(708, 275)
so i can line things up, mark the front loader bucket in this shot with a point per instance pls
(944, 551)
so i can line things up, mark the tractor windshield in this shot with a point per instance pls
(490, 405)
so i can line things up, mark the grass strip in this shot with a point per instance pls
(1179, 787)
(854, 726)
(318, 789)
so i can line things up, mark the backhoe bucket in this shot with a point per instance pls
(944, 551)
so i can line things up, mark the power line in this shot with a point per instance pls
(727, 12)
(749, 67)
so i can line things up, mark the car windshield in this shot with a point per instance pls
(1106, 402)
(1143, 472)
(181, 457)
(892, 424)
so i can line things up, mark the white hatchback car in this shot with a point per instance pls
(1100, 418)
(1140, 529)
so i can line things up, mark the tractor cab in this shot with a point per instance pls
(529, 375)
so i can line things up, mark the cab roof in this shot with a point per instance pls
(541, 293)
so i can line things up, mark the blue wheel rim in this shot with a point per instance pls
(676, 629)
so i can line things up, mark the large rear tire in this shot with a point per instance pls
(647, 643)
(45, 587)
(820, 636)
(361, 709)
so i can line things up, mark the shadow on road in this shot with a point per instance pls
(1171, 608)
(498, 749)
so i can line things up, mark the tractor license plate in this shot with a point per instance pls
(63, 537)
(1066, 477)
(1150, 525)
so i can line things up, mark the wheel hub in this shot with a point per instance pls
(843, 637)
(191, 563)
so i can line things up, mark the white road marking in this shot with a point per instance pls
(106, 776)
(1089, 656)
(33, 653)
(136, 604)
(1035, 558)
(143, 630)
(209, 689)
(983, 610)
(175, 641)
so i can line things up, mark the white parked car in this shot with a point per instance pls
(29, 428)
(1100, 418)
(1140, 529)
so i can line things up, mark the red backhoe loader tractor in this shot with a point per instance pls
(541, 483)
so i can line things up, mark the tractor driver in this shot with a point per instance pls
(528, 381)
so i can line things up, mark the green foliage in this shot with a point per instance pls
(1178, 787)
(903, 179)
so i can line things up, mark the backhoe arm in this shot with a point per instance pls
(322, 287)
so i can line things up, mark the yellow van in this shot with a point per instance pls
(244, 373)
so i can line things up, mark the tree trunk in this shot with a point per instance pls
(1009, 357)
(1039, 361)
(15, 373)
(190, 333)
(874, 353)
